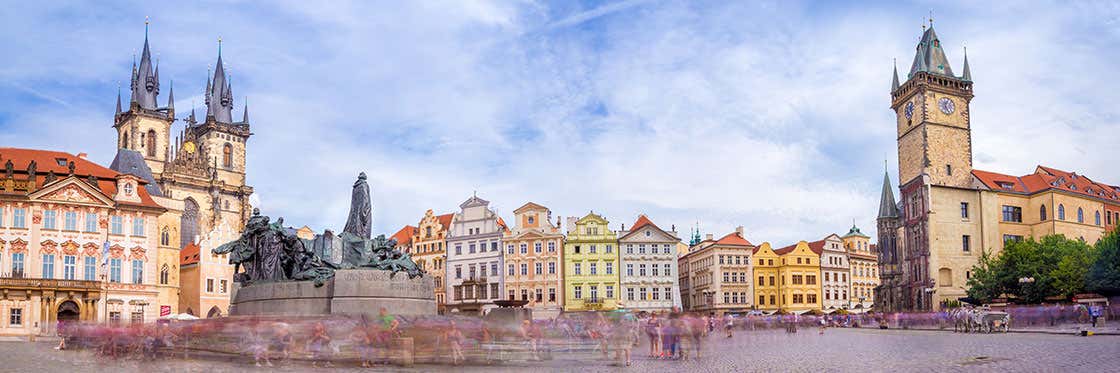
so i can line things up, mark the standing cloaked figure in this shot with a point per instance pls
(358, 224)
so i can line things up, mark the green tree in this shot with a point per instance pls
(1033, 270)
(1104, 275)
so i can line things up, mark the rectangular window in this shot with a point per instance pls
(138, 227)
(642, 294)
(629, 269)
(591, 249)
(115, 270)
(137, 271)
(524, 294)
(69, 267)
(575, 249)
(494, 269)
(472, 248)
(551, 294)
(209, 285)
(610, 268)
(539, 295)
(115, 318)
(579, 292)
(964, 210)
(966, 243)
(810, 280)
(656, 294)
(472, 271)
(537, 247)
(19, 218)
(70, 221)
(538, 269)
(494, 290)
(1013, 214)
(594, 291)
(223, 286)
(654, 269)
(524, 269)
(642, 270)
(641, 249)
(48, 265)
(17, 264)
(1011, 238)
(512, 270)
(49, 219)
(609, 249)
(551, 268)
(91, 222)
(551, 247)
(576, 268)
(116, 225)
(524, 249)
(89, 273)
(458, 271)
(15, 316)
(610, 291)
(509, 249)
(594, 269)
(629, 293)
(494, 246)
(812, 298)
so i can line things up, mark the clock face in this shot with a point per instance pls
(910, 110)
(189, 147)
(946, 105)
(128, 189)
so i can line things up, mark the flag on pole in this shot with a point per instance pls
(105, 253)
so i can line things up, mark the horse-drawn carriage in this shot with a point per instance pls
(980, 320)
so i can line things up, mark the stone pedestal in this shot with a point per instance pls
(351, 291)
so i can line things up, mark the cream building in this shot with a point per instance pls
(428, 248)
(533, 260)
(648, 276)
(835, 272)
(864, 268)
(716, 275)
(77, 243)
(474, 259)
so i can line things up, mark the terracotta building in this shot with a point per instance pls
(533, 260)
(428, 248)
(77, 242)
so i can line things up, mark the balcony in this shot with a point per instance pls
(17, 280)
(475, 280)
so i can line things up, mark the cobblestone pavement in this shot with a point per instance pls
(838, 350)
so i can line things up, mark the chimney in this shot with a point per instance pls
(82, 155)
(709, 237)
(739, 230)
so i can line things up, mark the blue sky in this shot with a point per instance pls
(770, 115)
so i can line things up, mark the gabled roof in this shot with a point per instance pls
(445, 220)
(189, 254)
(473, 201)
(47, 161)
(790, 248)
(644, 221)
(734, 239)
(404, 235)
(502, 225)
(528, 206)
(1047, 178)
(131, 162)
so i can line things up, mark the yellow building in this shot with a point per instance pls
(799, 285)
(949, 213)
(716, 275)
(590, 265)
(767, 270)
(429, 250)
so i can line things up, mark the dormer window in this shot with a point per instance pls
(1006, 185)
(60, 161)
(128, 189)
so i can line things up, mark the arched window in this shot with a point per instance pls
(124, 142)
(1098, 218)
(164, 273)
(1042, 213)
(188, 222)
(1080, 215)
(1061, 212)
(165, 237)
(227, 155)
(151, 143)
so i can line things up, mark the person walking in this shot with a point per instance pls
(319, 345)
(653, 332)
(729, 323)
(455, 339)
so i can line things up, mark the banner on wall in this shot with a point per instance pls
(164, 310)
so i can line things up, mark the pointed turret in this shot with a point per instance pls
(245, 116)
(929, 56)
(894, 79)
(145, 86)
(887, 206)
(171, 95)
(219, 103)
(967, 73)
(118, 102)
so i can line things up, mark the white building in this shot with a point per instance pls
(648, 275)
(474, 258)
(835, 272)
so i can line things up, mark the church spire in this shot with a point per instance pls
(894, 79)
(887, 205)
(245, 116)
(967, 73)
(118, 100)
(929, 57)
(219, 102)
(171, 95)
(145, 85)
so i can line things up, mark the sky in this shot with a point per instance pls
(773, 116)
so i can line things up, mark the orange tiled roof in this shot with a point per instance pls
(1046, 178)
(404, 236)
(813, 246)
(189, 254)
(641, 222)
(48, 161)
(733, 238)
(445, 220)
(502, 224)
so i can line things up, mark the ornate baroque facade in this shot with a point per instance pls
(429, 251)
(533, 260)
(590, 265)
(474, 259)
(648, 273)
(715, 275)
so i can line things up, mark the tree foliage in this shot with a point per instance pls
(1053, 266)
(1104, 275)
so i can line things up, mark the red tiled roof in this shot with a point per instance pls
(1046, 178)
(404, 236)
(815, 247)
(189, 254)
(733, 238)
(445, 220)
(502, 224)
(48, 161)
(641, 222)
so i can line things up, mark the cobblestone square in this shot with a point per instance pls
(838, 350)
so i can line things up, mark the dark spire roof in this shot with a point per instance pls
(219, 99)
(145, 82)
(118, 100)
(171, 95)
(887, 207)
(930, 57)
(132, 162)
(245, 117)
(967, 73)
(894, 79)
